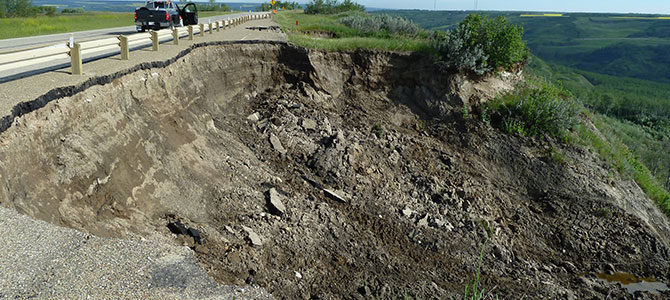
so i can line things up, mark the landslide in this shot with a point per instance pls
(216, 138)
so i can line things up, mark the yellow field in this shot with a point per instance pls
(543, 15)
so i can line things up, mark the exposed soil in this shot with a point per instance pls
(420, 187)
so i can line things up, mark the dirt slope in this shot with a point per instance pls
(239, 141)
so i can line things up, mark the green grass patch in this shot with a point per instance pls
(327, 33)
(41, 25)
(351, 43)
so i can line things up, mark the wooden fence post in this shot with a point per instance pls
(190, 32)
(175, 36)
(210, 28)
(75, 58)
(202, 29)
(123, 43)
(154, 40)
(217, 26)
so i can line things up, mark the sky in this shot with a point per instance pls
(619, 6)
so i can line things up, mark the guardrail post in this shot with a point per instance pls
(175, 36)
(154, 40)
(218, 26)
(190, 32)
(75, 59)
(202, 29)
(123, 43)
(210, 28)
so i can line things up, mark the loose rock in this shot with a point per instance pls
(276, 144)
(423, 222)
(334, 196)
(308, 124)
(275, 203)
(253, 237)
(254, 117)
(177, 227)
(407, 212)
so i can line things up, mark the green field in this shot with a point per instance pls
(41, 25)
(325, 32)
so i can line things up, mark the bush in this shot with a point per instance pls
(77, 10)
(17, 8)
(213, 6)
(388, 24)
(533, 111)
(47, 10)
(279, 4)
(480, 44)
(332, 7)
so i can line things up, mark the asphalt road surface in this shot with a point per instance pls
(59, 40)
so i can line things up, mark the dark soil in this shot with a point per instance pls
(422, 188)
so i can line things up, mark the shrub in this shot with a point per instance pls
(213, 6)
(332, 7)
(17, 8)
(533, 111)
(48, 10)
(279, 4)
(458, 52)
(388, 24)
(480, 44)
(77, 10)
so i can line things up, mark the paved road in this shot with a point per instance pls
(59, 41)
(10, 45)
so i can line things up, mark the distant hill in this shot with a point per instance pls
(124, 6)
(635, 46)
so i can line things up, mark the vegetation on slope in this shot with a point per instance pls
(603, 43)
(534, 108)
(632, 115)
(637, 112)
(479, 45)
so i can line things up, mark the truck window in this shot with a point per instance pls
(156, 5)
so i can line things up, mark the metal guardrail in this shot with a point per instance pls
(76, 52)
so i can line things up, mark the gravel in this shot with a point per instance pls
(41, 260)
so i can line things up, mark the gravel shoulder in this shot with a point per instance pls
(40, 260)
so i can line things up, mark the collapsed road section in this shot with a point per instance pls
(328, 175)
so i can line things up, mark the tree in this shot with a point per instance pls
(16, 8)
(332, 6)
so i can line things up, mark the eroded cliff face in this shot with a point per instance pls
(419, 188)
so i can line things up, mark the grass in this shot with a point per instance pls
(42, 25)
(311, 28)
(618, 156)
